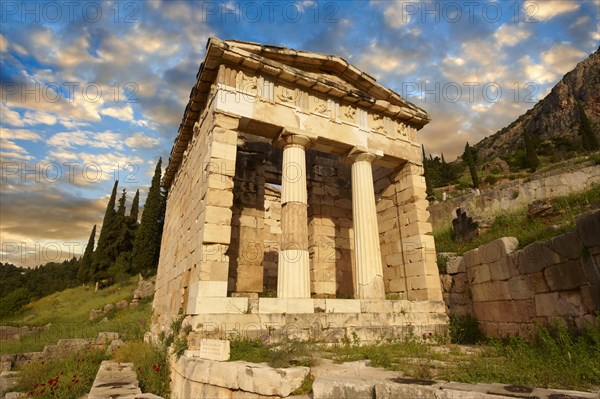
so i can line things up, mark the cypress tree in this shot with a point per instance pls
(588, 138)
(531, 159)
(146, 246)
(427, 174)
(105, 253)
(135, 208)
(468, 156)
(85, 272)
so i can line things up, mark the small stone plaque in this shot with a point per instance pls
(213, 349)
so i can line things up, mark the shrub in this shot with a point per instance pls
(12, 303)
(465, 330)
(491, 180)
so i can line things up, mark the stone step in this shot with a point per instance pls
(117, 380)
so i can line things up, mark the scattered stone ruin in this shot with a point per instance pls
(296, 204)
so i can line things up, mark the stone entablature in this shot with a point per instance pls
(317, 73)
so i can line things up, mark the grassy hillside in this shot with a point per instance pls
(68, 313)
(526, 230)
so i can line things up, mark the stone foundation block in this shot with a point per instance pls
(565, 276)
(497, 249)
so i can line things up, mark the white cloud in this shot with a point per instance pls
(562, 57)
(122, 113)
(39, 117)
(10, 150)
(141, 140)
(583, 20)
(379, 60)
(10, 117)
(3, 43)
(537, 73)
(509, 35)
(65, 140)
(546, 10)
(18, 134)
(397, 15)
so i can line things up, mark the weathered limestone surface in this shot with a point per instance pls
(508, 290)
(293, 279)
(357, 380)
(369, 272)
(518, 193)
(261, 117)
(198, 378)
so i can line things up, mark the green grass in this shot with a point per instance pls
(71, 305)
(526, 230)
(150, 363)
(553, 359)
(68, 313)
(278, 355)
(69, 377)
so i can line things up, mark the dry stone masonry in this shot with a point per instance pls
(508, 290)
(296, 204)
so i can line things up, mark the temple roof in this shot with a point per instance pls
(330, 75)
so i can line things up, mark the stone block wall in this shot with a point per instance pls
(407, 246)
(330, 237)
(509, 290)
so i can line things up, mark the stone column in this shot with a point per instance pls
(293, 273)
(369, 270)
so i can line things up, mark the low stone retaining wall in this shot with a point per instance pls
(8, 333)
(518, 193)
(199, 378)
(60, 349)
(508, 290)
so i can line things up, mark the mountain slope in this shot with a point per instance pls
(555, 120)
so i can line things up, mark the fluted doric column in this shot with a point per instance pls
(293, 273)
(369, 270)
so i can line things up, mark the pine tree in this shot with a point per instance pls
(106, 252)
(427, 175)
(146, 246)
(588, 138)
(85, 272)
(468, 156)
(531, 159)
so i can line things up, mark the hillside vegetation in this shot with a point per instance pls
(67, 312)
(527, 230)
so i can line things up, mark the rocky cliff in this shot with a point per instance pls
(555, 120)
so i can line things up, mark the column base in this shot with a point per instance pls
(375, 289)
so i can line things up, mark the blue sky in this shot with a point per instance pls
(95, 90)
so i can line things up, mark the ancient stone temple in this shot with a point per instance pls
(296, 204)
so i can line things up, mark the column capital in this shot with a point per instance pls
(362, 154)
(290, 136)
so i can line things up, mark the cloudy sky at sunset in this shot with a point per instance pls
(92, 91)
